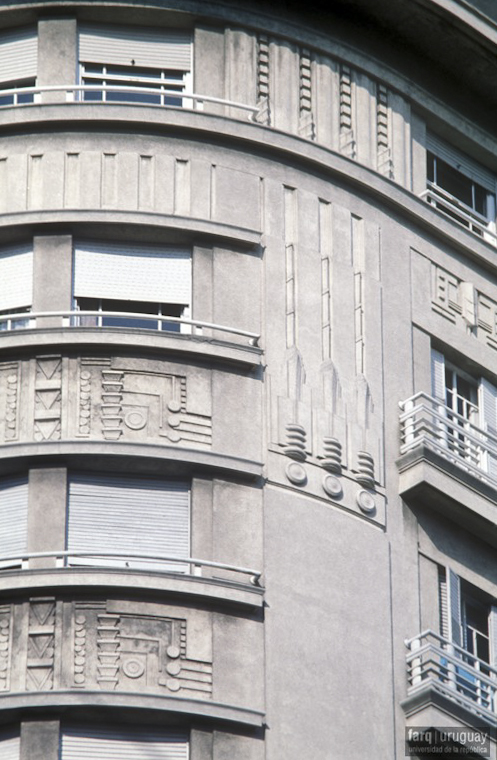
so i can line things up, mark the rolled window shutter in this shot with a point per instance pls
(10, 746)
(78, 743)
(135, 46)
(132, 273)
(18, 54)
(13, 518)
(128, 515)
(454, 607)
(488, 421)
(461, 162)
(438, 375)
(16, 278)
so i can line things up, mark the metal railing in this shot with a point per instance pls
(88, 319)
(20, 96)
(427, 421)
(131, 561)
(461, 213)
(435, 661)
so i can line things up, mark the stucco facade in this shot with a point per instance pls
(253, 518)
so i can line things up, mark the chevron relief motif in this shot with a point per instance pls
(41, 645)
(48, 393)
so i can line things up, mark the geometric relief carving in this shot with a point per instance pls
(41, 645)
(461, 303)
(13, 386)
(140, 653)
(48, 393)
(84, 402)
(347, 139)
(5, 645)
(137, 405)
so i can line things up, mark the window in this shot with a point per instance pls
(461, 188)
(10, 747)
(79, 743)
(135, 65)
(133, 280)
(16, 285)
(18, 62)
(13, 520)
(468, 618)
(128, 516)
(467, 422)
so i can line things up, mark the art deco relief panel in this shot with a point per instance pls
(111, 645)
(58, 397)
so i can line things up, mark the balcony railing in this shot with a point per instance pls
(133, 561)
(120, 320)
(74, 93)
(449, 669)
(426, 421)
(459, 212)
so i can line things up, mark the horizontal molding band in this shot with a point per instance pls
(302, 153)
(185, 228)
(48, 701)
(208, 589)
(188, 459)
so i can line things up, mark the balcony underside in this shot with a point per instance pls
(434, 706)
(429, 478)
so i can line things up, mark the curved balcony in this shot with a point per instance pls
(126, 328)
(128, 94)
(443, 674)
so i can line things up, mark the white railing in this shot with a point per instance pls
(427, 421)
(462, 677)
(75, 94)
(87, 319)
(130, 561)
(460, 212)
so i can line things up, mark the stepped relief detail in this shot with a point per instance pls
(48, 398)
(5, 645)
(10, 389)
(41, 645)
(461, 303)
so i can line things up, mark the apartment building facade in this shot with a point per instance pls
(248, 380)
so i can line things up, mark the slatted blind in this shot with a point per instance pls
(16, 277)
(13, 517)
(122, 744)
(438, 375)
(134, 273)
(18, 54)
(488, 412)
(10, 746)
(454, 606)
(135, 46)
(461, 162)
(114, 514)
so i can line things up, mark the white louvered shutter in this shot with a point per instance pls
(18, 55)
(136, 46)
(16, 277)
(454, 607)
(493, 635)
(437, 375)
(128, 515)
(488, 413)
(10, 747)
(461, 162)
(121, 744)
(13, 519)
(133, 273)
